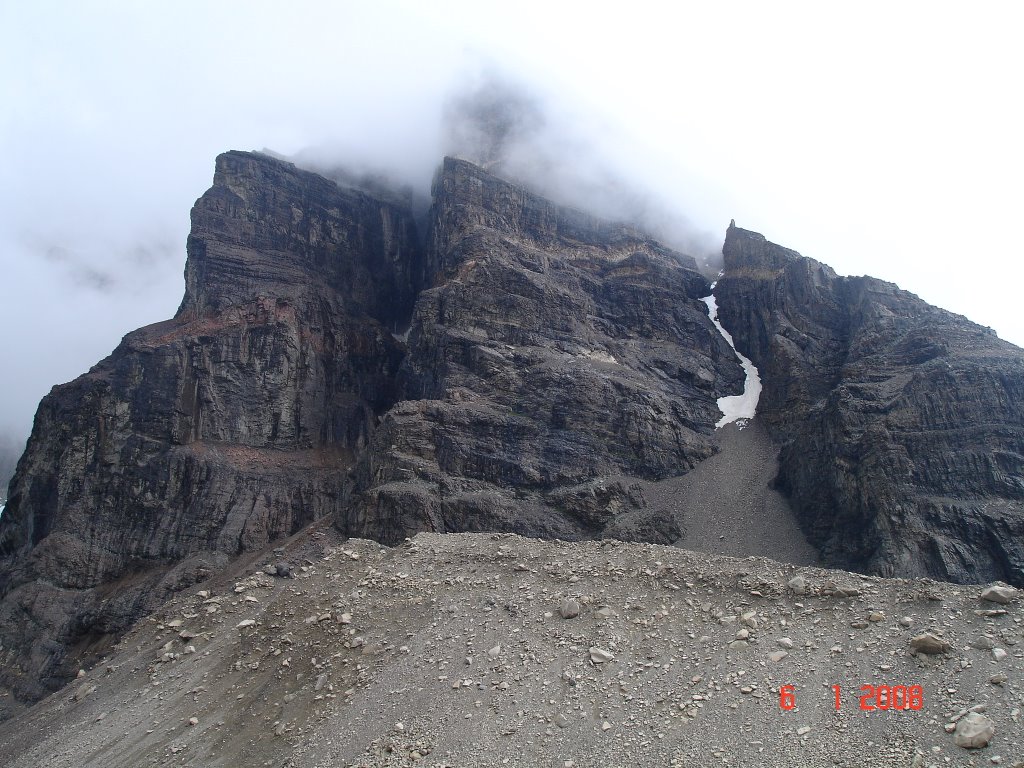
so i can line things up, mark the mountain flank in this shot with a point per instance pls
(901, 424)
(517, 366)
(465, 650)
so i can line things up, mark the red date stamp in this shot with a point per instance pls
(872, 698)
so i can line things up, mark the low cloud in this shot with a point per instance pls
(10, 451)
(676, 123)
(528, 134)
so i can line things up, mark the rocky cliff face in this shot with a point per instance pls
(902, 424)
(215, 432)
(523, 368)
(552, 351)
(551, 356)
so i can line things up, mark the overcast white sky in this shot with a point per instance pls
(881, 138)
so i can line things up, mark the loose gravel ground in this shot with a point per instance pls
(455, 650)
(727, 504)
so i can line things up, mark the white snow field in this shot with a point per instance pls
(736, 408)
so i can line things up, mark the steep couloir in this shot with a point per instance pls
(902, 424)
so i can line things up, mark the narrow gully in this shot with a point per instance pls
(735, 408)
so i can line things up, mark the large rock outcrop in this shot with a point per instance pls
(902, 424)
(552, 351)
(213, 433)
(523, 367)
(551, 356)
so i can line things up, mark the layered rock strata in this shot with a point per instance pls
(213, 433)
(552, 350)
(902, 424)
(524, 368)
(514, 374)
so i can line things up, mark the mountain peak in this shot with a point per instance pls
(526, 367)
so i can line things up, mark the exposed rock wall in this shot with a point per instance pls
(522, 371)
(548, 351)
(215, 432)
(553, 350)
(903, 424)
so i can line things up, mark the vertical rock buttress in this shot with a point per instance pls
(902, 424)
(234, 423)
(552, 356)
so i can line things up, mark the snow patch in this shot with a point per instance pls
(738, 408)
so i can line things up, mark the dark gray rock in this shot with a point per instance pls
(548, 350)
(552, 349)
(902, 424)
(217, 431)
(284, 570)
(521, 372)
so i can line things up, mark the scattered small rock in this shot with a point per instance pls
(998, 593)
(84, 691)
(569, 609)
(929, 644)
(974, 731)
(831, 588)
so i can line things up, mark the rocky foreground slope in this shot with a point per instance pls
(518, 367)
(489, 650)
